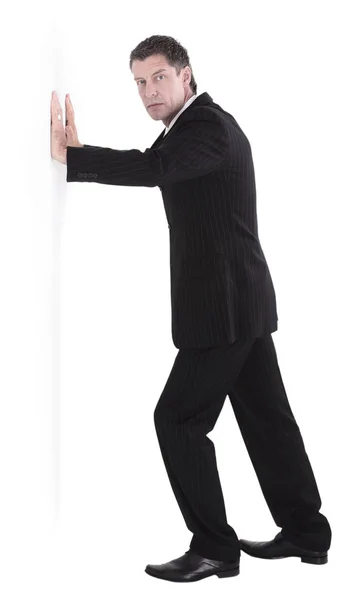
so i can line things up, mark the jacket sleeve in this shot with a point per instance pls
(199, 146)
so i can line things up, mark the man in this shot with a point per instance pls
(223, 314)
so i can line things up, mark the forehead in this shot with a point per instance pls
(149, 65)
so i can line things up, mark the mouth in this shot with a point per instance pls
(151, 105)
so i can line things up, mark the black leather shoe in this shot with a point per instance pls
(192, 567)
(280, 547)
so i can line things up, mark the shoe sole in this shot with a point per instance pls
(228, 573)
(312, 560)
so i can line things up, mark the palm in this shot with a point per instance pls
(58, 137)
(62, 137)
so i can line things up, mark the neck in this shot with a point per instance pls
(168, 120)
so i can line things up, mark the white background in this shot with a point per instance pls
(85, 322)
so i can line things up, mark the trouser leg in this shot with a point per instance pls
(276, 448)
(187, 410)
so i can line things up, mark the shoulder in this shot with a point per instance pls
(205, 119)
(204, 113)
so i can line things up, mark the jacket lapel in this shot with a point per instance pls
(201, 100)
(158, 140)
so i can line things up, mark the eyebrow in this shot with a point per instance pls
(155, 73)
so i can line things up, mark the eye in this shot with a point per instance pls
(141, 80)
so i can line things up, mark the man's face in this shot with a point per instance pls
(159, 84)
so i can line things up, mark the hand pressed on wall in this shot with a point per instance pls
(62, 137)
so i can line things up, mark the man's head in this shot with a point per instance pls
(163, 75)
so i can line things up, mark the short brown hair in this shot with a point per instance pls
(175, 54)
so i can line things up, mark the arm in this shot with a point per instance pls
(199, 146)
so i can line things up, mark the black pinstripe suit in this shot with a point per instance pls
(223, 313)
(221, 288)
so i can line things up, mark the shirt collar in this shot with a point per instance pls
(189, 101)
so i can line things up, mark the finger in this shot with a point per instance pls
(69, 113)
(68, 131)
(71, 139)
(56, 112)
(56, 107)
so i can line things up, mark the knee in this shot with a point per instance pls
(159, 416)
(163, 417)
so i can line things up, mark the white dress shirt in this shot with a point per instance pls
(189, 101)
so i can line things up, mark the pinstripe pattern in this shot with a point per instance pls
(187, 410)
(221, 287)
(223, 314)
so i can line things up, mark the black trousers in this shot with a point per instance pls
(188, 409)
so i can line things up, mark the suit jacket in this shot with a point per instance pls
(221, 287)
